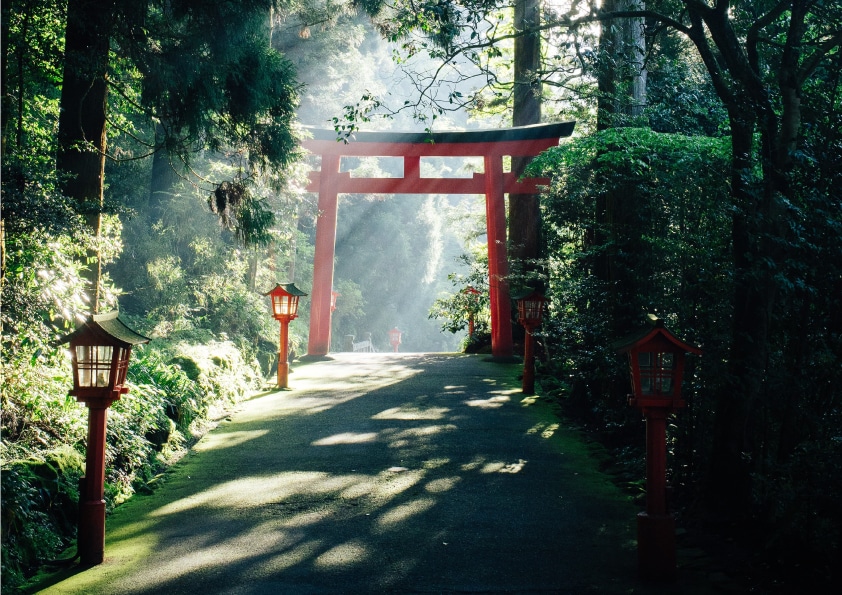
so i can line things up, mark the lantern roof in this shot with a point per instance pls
(108, 326)
(288, 288)
(656, 332)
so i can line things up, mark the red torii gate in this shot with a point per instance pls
(492, 145)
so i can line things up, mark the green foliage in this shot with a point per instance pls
(208, 74)
(43, 240)
(224, 374)
(39, 501)
(37, 414)
(674, 245)
(470, 300)
(797, 515)
(679, 94)
(168, 406)
(175, 391)
(183, 273)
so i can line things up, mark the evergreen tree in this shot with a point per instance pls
(206, 75)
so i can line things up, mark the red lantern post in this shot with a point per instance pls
(395, 338)
(530, 308)
(333, 296)
(100, 351)
(284, 309)
(656, 360)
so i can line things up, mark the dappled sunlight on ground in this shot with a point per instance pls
(228, 439)
(492, 403)
(344, 554)
(362, 478)
(544, 429)
(346, 438)
(412, 413)
(393, 518)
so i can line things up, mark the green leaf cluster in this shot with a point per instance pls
(666, 251)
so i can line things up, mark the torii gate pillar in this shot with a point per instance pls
(492, 145)
(498, 263)
(319, 340)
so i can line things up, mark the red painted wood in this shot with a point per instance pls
(498, 264)
(417, 185)
(527, 385)
(91, 537)
(283, 355)
(319, 339)
(656, 462)
(656, 554)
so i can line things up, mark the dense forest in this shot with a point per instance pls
(151, 163)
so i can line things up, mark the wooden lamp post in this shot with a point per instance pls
(395, 338)
(284, 298)
(100, 351)
(530, 308)
(656, 361)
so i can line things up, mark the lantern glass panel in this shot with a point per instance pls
(122, 365)
(93, 365)
(285, 305)
(531, 311)
(656, 373)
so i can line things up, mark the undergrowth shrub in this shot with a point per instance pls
(40, 502)
(803, 525)
(174, 389)
(224, 375)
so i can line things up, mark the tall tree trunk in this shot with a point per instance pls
(621, 76)
(524, 212)
(81, 132)
(757, 235)
(621, 82)
(607, 70)
(163, 180)
(634, 41)
(729, 485)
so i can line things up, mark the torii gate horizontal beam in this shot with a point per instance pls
(494, 183)
(522, 141)
(418, 185)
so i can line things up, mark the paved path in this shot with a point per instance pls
(377, 473)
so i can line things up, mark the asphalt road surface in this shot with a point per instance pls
(377, 473)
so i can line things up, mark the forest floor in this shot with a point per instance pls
(387, 473)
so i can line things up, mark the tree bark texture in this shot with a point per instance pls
(634, 43)
(621, 70)
(621, 81)
(524, 224)
(81, 133)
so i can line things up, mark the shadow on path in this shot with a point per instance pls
(377, 473)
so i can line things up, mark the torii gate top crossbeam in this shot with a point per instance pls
(522, 141)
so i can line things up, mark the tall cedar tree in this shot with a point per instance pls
(524, 212)
(208, 77)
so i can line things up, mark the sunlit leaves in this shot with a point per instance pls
(354, 115)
